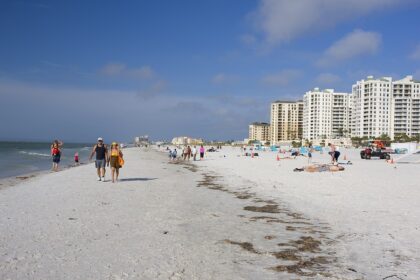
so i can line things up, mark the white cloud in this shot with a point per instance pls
(354, 44)
(326, 79)
(112, 69)
(282, 78)
(155, 89)
(118, 69)
(416, 74)
(222, 78)
(416, 53)
(144, 72)
(248, 39)
(282, 21)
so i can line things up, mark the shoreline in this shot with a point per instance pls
(11, 181)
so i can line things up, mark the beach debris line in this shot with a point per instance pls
(244, 245)
(305, 251)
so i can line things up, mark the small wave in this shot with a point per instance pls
(34, 154)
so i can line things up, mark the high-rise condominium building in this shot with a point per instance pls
(286, 121)
(326, 114)
(259, 131)
(405, 107)
(371, 112)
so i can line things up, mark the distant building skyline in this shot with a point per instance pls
(375, 107)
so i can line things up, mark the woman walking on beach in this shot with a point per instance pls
(56, 154)
(201, 152)
(115, 161)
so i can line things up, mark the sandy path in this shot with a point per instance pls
(162, 221)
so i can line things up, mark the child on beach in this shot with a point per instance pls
(173, 154)
(76, 158)
(310, 151)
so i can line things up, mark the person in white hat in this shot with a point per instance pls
(101, 151)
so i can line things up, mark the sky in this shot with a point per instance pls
(77, 70)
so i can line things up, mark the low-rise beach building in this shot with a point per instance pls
(184, 140)
(259, 131)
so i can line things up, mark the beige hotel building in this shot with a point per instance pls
(259, 131)
(286, 121)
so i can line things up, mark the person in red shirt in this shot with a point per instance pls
(76, 158)
(56, 154)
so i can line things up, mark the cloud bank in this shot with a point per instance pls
(282, 78)
(354, 44)
(121, 70)
(282, 21)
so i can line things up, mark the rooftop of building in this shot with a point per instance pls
(407, 79)
(287, 101)
(260, 123)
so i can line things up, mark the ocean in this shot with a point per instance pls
(19, 158)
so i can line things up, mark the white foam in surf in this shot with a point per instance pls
(34, 154)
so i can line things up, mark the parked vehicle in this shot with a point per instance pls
(369, 153)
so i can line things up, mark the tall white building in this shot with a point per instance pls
(405, 107)
(326, 114)
(371, 112)
(286, 121)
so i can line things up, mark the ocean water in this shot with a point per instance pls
(19, 158)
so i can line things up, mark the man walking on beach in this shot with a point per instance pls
(101, 157)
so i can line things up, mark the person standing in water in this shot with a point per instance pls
(101, 157)
(201, 152)
(56, 154)
(114, 161)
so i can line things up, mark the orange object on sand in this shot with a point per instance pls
(278, 157)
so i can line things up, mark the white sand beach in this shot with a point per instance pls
(227, 217)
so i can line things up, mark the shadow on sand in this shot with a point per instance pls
(136, 179)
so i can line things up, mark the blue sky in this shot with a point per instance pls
(77, 70)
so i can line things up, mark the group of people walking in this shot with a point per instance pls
(112, 158)
(187, 153)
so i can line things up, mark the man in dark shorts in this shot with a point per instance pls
(101, 158)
